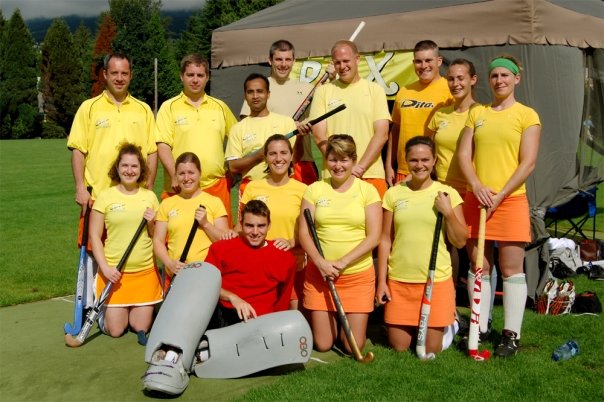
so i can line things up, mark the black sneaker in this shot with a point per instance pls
(509, 344)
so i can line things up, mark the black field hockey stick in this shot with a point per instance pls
(93, 314)
(422, 330)
(336, 298)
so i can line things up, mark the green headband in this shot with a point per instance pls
(505, 63)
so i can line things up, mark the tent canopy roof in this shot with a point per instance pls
(314, 25)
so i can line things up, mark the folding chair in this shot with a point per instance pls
(578, 211)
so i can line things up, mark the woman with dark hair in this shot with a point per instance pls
(347, 215)
(497, 152)
(176, 215)
(410, 213)
(119, 209)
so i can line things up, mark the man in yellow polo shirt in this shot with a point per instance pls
(414, 106)
(100, 125)
(365, 119)
(195, 122)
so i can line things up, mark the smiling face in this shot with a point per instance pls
(129, 170)
(503, 82)
(426, 64)
(256, 95)
(281, 64)
(420, 160)
(187, 175)
(278, 157)
(254, 229)
(460, 81)
(194, 80)
(346, 63)
(118, 76)
(340, 167)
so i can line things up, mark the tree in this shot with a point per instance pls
(142, 36)
(102, 47)
(82, 40)
(60, 75)
(19, 117)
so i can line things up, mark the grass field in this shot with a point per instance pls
(38, 260)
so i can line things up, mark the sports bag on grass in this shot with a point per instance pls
(591, 250)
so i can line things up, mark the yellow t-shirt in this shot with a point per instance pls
(251, 133)
(123, 213)
(180, 213)
(340, 219)
(201, 130)
(365, 104)
(497, 136)
(413, 108)
(283, 202)
(447, 125)
(414, 217)
(285, 99)
(98, 129)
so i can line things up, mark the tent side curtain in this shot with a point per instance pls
(494, 22)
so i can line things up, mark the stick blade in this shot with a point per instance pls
(368, 358)
(72, 342)
(479, 356)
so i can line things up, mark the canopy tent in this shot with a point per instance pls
(560, 42)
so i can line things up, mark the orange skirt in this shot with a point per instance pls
(139, 288)
(510, 221)
(298, 289)
(406, 302)
(356, 291)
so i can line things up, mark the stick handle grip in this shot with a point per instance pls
(318, 119)
(435, 240)
(192, 232)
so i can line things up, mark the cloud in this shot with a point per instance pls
(57, 8)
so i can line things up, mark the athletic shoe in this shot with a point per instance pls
(165, 376)
(509, 344)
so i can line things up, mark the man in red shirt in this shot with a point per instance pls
(257, 277)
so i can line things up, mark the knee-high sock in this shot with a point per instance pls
(514, 301)
(493, 291)
(485, 299)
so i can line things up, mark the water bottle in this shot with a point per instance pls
(566, 351)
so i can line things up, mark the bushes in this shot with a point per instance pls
(50, 129)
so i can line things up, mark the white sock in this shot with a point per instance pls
(493, 290)
(470, 285)
(485, 303)
(449, 334)
(514, 301)
(171, 356)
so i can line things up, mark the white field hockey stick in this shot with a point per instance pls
(473, 351)
(93, 314)
(336, 298)
(306, 102)
(422, 330)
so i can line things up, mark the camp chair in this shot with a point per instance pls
(578, 211)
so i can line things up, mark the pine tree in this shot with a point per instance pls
(82, 40)
(19, 115)
(102, 47)
(60, 75)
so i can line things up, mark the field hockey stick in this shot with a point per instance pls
(473, 351)
(306, 102)
(336, 298)
(92, 316)
(80, 294)
(422, 331)
(311, 122)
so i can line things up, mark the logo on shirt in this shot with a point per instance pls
(117, 207)
(323, 202)
(400, 205)
(102, 123)
(173, 213)
(333, 103)
(479, 123)
(443, 124)
(181, 121)
(416, 104)
(263, 198)
(248, 137)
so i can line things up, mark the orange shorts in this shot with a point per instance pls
(400, 177)
(406, 302)
(305, 172)
(510, 221)
(379, 184)
(356, 291)
(220, 189)
(139, 288)
(298, 288)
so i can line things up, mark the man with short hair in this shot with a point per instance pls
(286, 96)
(365, 118)
(414, 106)
(257, 277)
(99, 126)
(250, 134)
(195, 122)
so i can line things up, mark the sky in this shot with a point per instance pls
(57, 8)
